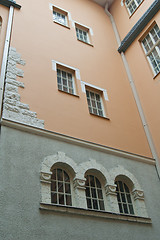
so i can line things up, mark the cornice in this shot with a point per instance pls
(76, 141)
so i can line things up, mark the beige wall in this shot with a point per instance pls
(40, 41)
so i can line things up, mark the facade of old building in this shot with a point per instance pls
(80, 139)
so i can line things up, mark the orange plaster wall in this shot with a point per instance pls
(122, 18)
(147, 85)
(4, 17)
(40, 41)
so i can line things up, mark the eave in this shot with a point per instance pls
(8, 3)
(104, 2)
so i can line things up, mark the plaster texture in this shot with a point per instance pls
(22, 155)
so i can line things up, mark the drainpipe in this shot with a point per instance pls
(135, 94)
(5, 56)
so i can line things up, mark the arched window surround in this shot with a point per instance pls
(77, 173)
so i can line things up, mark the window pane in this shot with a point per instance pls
(95, 204)
(61, 198)
(101, 205)
(131, 209)
(53, 174)
(89, 205)
(121, 186)
(67, 188)
(98, 183)
(93, 190)
(120, 207)
(59, 175)
(94, 103)
(68, 200)
(125, 208)
(94, 193)
(60, 187)
(53, 186)
(92, 183)
(54, 198)
(87, 192)
(100, 196)
(124, 198)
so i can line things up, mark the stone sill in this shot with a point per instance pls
(94, 213)
(87, 43)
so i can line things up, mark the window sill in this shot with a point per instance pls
(74, 95)
(93, 213)
(99, 116)
(135, 10)
(85, 42)
(156, 75)
(61, 24)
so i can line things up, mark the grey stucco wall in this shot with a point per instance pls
(20, 218)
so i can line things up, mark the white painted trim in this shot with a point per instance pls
(122, 4)
(76, 141)
(5, 55)
(83, 84)
(68, 14)
(77, 71)
(80, 24)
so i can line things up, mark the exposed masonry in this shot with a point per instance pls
(13, 109)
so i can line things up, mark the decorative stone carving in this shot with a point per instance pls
(110, 189)
(13, 109)
(138, 194)
(46, 177)
(79, 183)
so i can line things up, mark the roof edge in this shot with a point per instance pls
(139, 26)
(8, 3)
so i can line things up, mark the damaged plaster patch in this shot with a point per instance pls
(13, 109)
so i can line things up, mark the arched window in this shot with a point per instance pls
(94, 194)
(60, 187)
(124, 198)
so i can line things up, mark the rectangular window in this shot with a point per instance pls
(95, 103)
(132, 5)
(82, 35)
(151, 46)
(65, 81)
(60, 16)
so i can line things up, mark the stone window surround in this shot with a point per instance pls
(87, 29)
(76, 75)
(107, 178)
(66, 13)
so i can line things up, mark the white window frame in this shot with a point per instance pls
(61, 11)
(121, 201)
(95, 188)
(130, 4)
(83, 28)
(152, 49)
(102, 92)
(74, 71)
(63, 183)
(66, 88)
(96, 107)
